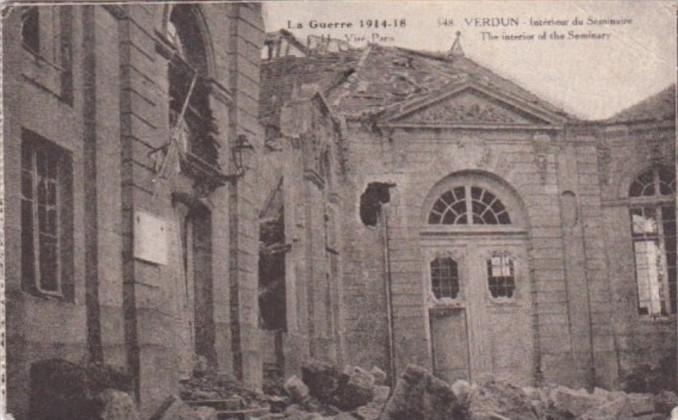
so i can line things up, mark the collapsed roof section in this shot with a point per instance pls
(381, 81)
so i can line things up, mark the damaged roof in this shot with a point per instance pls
(658, 107)
(380, 80)
(282, 77)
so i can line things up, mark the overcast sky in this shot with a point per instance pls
(589, 78)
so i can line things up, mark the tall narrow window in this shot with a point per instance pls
(500, 276)
(30, 29)
(44, 196)
(444, 278)
(189, 85)
(653, 231)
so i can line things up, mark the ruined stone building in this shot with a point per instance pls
(182, 189)
(131, 207)
(485, 233)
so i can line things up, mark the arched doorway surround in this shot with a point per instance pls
(474, 237)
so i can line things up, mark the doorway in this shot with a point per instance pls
(477, 278)
(195, 332)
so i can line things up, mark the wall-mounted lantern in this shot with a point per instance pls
(242, 152)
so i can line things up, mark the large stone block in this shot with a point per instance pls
(419, 395)
(60, 388)
(117, 405)
(322, 380)
(501, 400)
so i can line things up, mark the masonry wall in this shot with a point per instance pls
(124, 311)
(39, 327)
(625, 151)
(311, 198)
(415, 160)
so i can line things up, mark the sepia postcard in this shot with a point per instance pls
(338, 210)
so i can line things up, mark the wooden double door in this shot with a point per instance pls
(485, 331)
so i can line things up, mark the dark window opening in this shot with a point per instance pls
(501, 276)
(444, 278)
(272, 267)
(197, 129)
(30, 29)
(272, 294)
(376, 194)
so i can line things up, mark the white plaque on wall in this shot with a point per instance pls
(150, 238)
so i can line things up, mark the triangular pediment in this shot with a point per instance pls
(472, 105)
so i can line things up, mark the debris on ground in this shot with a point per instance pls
(217, 396)
(359, 394)
(60, 388)
(420, 395)
(323, 392)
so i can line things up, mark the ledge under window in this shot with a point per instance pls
(42, 72)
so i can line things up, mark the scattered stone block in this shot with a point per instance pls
(380, 377)
(117, 405)
(370, 411)
(610, 410)
(380, 393)
(420, 395)
(296, 388)
(355, 389)
(60, 388)
(322, 380)
(665, 401)
(461, 389)
(575, 402)
(500, 400)
(640, 403)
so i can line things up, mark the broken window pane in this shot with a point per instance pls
(189, 87)
(644, 220)
(500, 276)
(653, 229)
(648, 274)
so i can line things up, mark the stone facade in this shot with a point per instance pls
(153, 269)
(420, 124)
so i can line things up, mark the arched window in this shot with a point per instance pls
(653, 231)
(444, 278)
(189, 85)
(454, 207)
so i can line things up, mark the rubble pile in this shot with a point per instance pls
(61, 389)
(207, 395)
(324, 393)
